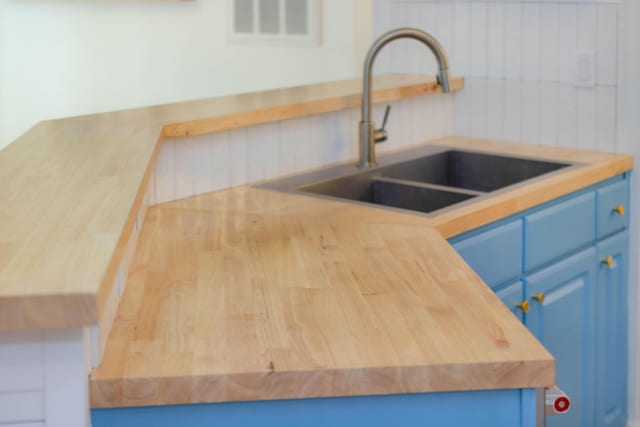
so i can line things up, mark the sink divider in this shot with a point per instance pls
(430, 186)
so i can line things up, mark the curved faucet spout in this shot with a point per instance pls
(368, 133)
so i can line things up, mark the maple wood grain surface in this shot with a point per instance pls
(249, 294)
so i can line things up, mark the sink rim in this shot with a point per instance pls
(296, 184)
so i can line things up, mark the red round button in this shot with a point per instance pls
(562, 404)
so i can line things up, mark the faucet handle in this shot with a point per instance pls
(381, 134)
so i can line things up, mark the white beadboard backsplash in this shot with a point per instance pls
(196, 165)
(518, 59)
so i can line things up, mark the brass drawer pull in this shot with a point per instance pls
(608, 261)
(539, 297)
(619, 210)
(524, 306)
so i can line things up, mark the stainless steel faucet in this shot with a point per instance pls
(369, 135)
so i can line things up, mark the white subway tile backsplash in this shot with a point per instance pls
(606, 118)
(462, 111)
(419, 121)
(295, 139)
(607, 40)
(513, 110)
(495, 41)
(567, 116)
(445, 20)
(225, 159)
(416, 58)
(496, 109)
(549, 42)
(238, 140)
(531, 41)
(479, 89)
(399, 49)
(429, 23)
(460, 57)
(548, 114)
(165, 173)
(530, 112)
(567, 42)
(513, 40)
(185, 155)
(519, 61)
(587, 26)
(263, 151)
(479, 53)
(215, 170)
(586, 103)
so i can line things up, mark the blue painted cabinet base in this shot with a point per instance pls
(496, 408)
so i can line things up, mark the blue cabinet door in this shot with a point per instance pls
(611, 332)
(513, 296)
(564, 322)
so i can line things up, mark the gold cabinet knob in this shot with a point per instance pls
(608, 261)
(619, 210)
(524, 306)
(539, 297)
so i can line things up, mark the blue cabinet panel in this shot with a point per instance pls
(582, 319)
(493, 408)
(496, 254)
(511, 296)
(611, 197)
(564, 324)
(559, 230)
(611, 332)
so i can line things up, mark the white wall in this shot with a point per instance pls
(518, 60)
(62, 58)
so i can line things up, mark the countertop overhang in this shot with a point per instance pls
(70, 190)
(253, 294)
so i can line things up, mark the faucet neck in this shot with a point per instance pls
(367, 127)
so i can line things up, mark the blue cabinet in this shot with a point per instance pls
(611, 331)
(562, 317)
(513, 297)
(570, 290)
(490, 408)
(495, 254)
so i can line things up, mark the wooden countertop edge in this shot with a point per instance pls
(407, 86)
(502, 206)
(300, 109)
(176, 390)
(114, 264)
(24, 313)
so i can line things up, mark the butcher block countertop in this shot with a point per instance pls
(251, 294)
(70, 190)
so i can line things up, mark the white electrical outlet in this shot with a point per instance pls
(585, 68)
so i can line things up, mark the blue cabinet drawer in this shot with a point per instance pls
(613, 205)
(513, 296)
(496, 254)
(559, 230)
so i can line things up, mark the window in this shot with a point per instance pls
(275, 22)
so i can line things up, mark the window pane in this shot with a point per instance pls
(297, 16)
(243, 14)
(269, 16)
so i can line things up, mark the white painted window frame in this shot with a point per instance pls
(311, 39)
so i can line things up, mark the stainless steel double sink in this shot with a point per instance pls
(428, 179)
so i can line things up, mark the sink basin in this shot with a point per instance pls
(387, 192)
(425, 179)
(469, 170)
